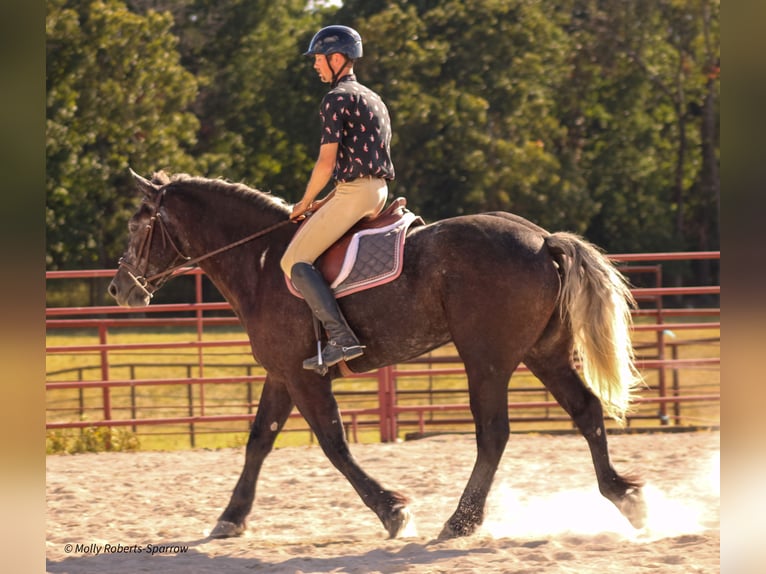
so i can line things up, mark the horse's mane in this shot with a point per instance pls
(259, 199)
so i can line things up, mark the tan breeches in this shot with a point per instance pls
(352, 201)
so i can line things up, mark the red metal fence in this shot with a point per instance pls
(426, 394)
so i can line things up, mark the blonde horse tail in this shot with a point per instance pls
(595, 301)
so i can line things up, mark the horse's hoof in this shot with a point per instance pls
(226, 529)
(398, 522)
(447, 533)
(464, 522)
(633, 507)
(457, 530)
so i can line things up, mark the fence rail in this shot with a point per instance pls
(391, 400)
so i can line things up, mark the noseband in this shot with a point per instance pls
(151, 284)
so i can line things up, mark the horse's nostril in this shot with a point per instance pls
(112, 289)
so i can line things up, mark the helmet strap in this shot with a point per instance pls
(336, 75)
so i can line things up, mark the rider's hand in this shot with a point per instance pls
(299, 210)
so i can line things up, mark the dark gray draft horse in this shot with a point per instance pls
(503, 290)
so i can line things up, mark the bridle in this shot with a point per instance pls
(152, 283)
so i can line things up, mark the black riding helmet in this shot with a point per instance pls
(336, 39)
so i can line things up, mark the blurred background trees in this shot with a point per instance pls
(594, 116)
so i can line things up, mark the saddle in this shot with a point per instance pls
(369, 254)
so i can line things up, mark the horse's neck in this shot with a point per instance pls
(212, 225)
(208, 223)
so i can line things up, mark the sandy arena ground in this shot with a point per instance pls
(544, 514)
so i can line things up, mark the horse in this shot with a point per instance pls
(501, 289)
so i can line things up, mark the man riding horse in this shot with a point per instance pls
(355, 153)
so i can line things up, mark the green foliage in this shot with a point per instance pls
(257, 106)
(91, 439)
(471, 90)
(638, 79)
(596, 116)
(117, 97)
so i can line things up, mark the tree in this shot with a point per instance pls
(596, 116)
(616, 127)
(117, 97)
(471, 88)
(633, 102)
(259, 100)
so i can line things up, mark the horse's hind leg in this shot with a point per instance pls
(273, 409)
(488, 388)
(554, 368)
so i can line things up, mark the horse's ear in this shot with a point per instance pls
(149, 188)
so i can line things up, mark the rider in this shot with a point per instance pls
(354, 152)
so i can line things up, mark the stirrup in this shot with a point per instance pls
(332, 354)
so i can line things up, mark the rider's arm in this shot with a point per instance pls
(320, 175)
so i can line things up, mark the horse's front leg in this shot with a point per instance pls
(273, 409)
(317, 404)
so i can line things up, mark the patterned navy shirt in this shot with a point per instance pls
(357, 119)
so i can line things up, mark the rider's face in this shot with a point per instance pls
(325, 66)
(322, 68)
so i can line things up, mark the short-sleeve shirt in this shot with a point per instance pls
(357, 119)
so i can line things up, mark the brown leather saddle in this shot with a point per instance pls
(331, 262)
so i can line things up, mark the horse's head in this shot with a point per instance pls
(151, 250)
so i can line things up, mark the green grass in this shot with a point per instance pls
(235, 398)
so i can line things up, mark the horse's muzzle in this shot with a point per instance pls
(129, 294)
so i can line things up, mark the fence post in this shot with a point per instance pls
(200, 350)
(199, 322)
(133, 403)
(80, 397)
(105, 372)
(386, 404)
(190, 397)
(383, 405)
(133, 410)
(105, 393)
(676, 386)
(661, 352)
(393, 425)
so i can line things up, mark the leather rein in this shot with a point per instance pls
(151, 284)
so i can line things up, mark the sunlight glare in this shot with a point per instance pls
(585, 511)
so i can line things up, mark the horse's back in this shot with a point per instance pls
(487, 277)
(483, 246)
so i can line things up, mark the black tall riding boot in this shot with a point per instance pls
(342, 344)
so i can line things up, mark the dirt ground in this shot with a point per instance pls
(152, 511)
